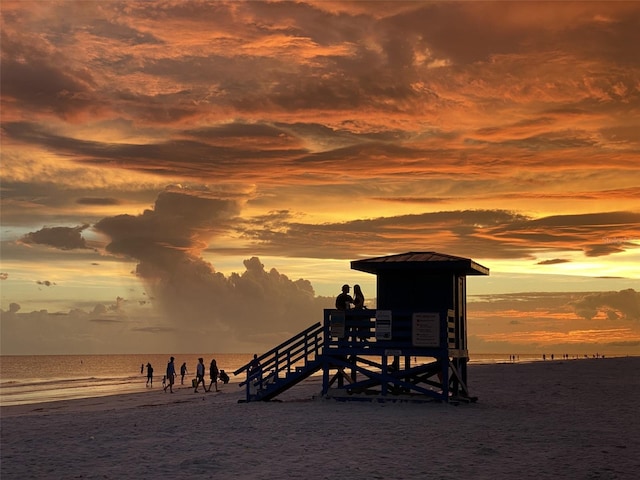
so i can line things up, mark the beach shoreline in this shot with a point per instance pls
(560, 419)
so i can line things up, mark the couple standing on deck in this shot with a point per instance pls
(344, 300)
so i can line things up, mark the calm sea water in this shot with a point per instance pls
(45, 378)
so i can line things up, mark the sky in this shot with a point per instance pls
(197, 176)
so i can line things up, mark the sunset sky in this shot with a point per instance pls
(197, 176)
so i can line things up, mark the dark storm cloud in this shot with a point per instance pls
(64, 238)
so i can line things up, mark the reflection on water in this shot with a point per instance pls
(45, 378)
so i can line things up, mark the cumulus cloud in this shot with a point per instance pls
(167, 242)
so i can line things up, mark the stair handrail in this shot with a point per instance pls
(274, 357)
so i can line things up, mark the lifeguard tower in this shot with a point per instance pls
(412, 347)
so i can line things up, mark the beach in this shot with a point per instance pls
(555, 419)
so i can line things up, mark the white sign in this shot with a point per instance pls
(425, 331)
(383, 324)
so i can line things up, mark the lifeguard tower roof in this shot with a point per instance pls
(432, 262)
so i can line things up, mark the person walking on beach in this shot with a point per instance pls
(213, 374)
(183, 372)
(171, 375)
(200, 375)
(149, 375)
(344, 300)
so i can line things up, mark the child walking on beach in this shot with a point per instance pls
(183, 372)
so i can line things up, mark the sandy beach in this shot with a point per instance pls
(572, 419)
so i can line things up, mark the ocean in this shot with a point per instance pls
(45, 378)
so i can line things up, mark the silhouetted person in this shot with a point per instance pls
(358, 297)
(200, 375)
(141, 368)
(171, 375)
(344, 300)
(213, 374)
(254, 365)
(255, 368)
(254, 371)
(183, 372)
(149, 375)
(224, 378)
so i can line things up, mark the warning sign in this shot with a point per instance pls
(426, 329)
(383, 325)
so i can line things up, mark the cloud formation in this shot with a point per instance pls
(200, 134)
(576, 322)
(167, 242)
(624, 304)
(64, 238)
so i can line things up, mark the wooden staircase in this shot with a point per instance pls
(285, 365)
